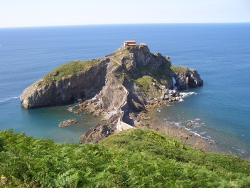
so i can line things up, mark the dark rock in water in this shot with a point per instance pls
(68, 122)
(187, 78)
(166, 97)
(190, 123)
(194, 79)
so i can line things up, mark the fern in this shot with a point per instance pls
(69, 178)
(132, 158)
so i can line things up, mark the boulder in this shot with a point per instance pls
(67, 123)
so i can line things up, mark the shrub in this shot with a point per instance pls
(132, 158)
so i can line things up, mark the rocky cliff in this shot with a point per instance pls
(117, 86)
(82, 85)
(186, 77)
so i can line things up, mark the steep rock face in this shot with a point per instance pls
(194, 79)
(141, 61)
(113, 94)
(141, 55)
(187, 78)
(83, 85)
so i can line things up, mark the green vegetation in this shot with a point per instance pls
(147, 85)
(180, 69)
(142, 68)
(158, 74)
(118, 55)
(144, 83)
(68, 69)
(163, 71)
(122, 54)
(155, 55)
(132, 158)
(148, 77)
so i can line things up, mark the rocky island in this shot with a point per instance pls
(119, 86)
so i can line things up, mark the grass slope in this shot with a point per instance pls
(68, 69)
(132, 158)
(180, 69)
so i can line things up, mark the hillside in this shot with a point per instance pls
(132, 158)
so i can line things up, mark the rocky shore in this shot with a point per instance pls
(120, 87)
(180, 132)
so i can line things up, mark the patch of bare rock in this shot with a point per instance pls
(67, 123)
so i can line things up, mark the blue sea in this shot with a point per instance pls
(220, 110)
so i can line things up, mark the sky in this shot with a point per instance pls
(30, 13)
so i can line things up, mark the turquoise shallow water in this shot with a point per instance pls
(43, 122)
(220, 53)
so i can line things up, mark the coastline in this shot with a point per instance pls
(148, 121)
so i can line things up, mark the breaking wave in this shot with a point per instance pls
(187, 94)
(2, 101)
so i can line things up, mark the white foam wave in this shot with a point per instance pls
(9, 99)
(196, 133)
(203, 133)
(208, 138)
(187, 94)
(241, 150)
(181, 100)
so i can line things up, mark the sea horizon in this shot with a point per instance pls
(121, 24)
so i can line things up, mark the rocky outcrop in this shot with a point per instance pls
(97, 133)
(67, 123)
(187, 78)
(101, 131)
(134, 63)
(172, 96)
(83, 85)
(119, 86)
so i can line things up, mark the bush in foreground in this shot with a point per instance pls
(132, 158)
